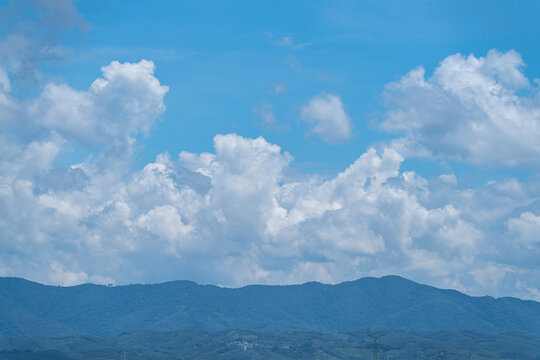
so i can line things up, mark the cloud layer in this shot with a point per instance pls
(232, 216)
(482, 110)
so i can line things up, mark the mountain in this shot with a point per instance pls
(389, 302)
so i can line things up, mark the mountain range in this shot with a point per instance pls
(389, 302)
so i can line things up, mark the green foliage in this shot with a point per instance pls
(235, 344)
(389, 302)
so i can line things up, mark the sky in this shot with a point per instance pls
(257, 142)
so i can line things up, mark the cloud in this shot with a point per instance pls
(8, 105)
(164, 221)
(232, 216)
(125, 102)
(25, 44)
(481, 110)
(114, 110)
(328, 119)
(526, 228)
(5, 84)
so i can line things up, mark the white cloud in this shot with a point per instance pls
(126, 101)
(232, 216)
(326, 115)
(66, 278)
(490, 276)
(482, 110)
(448, 178)
(527, 291)
(35, 29)
(526, 228)
(164, 221)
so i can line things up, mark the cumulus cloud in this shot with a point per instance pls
(126, 101)
(164, 221)
(481, 110)
(325, 113)
(112, 112)
(232, 216)
(526, 228)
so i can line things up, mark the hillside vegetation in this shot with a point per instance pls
(389, 302)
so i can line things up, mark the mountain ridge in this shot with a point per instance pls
(389, 302)
(385, 277)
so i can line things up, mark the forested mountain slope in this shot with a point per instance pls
(389, 302)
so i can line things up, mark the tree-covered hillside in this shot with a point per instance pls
(389, 302)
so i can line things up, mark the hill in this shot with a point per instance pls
(389, 302)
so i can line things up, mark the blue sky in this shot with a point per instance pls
(221, 61)
(271, 142)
